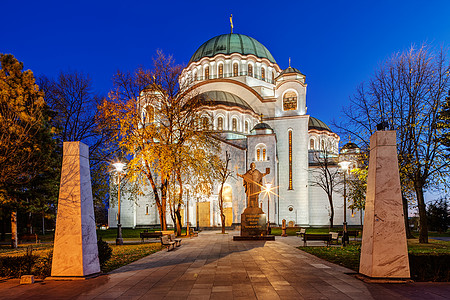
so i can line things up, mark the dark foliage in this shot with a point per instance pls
(426, 267)
(104, 252)
(438, 216)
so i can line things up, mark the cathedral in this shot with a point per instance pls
(259, 112)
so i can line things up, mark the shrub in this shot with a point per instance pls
(104, 252)
(428, 267)
(16, 266)
(43, 266)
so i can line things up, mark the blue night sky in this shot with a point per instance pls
(336, 44)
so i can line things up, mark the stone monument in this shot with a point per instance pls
(253, 219)
(384, 252)
(75, 252)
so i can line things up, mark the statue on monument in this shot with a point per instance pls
(253, 183)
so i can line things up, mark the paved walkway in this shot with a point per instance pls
(213, 266)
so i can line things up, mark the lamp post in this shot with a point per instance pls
(119, 169)
(268, 186)
(344, 166)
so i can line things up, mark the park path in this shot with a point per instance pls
(213, 266)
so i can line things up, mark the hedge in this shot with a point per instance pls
(430, 267)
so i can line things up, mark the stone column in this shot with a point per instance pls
(384, 251)
(75, 253)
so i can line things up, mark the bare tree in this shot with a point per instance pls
(407, 91)
(325, 174)
(223, 174)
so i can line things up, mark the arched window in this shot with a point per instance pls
(235, 69)
(290, 101)
(220, 123)
(250, 70)
(273, 77)
(149, 114)
(261, 152)
(221, 71)
(146, 209)
(205, 123)
(311, 144)
(234, 124)
(290, 159)
(195, 76)
(263, 74)
(207, 72)
(323, 145)
(246, 126)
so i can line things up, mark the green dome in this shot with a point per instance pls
(318, 125)
(231, 43)
(220, 97)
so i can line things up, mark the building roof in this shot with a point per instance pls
(225, 98)
(350, 148)
(262, 126)
(315, 123)
(290, 70)
(231, 43)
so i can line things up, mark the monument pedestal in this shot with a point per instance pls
(384, 251)
(253, 226)
(75, 253)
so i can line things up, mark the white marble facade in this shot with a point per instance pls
(239, 66)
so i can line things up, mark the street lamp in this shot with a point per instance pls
(344, 166)
(268, 186)
(119, 169)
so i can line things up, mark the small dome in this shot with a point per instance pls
(219, 97)
(262, 126)
(315, 123)
(231, 43)
(350, 148)
(290, 70)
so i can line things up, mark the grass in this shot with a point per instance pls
(128, 253)
(291, 231)
(349, 256)
(128, 234)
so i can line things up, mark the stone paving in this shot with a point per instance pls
(213, 266)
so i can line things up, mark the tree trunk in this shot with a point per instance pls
(330, 200)
(222, 216)
(423, 230)
(3, 225)
(409, 234)
(14, 235)
(360, 217)
(43, 224)
(178, 216)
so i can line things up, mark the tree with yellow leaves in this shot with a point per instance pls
(26, 143)
(155, 120)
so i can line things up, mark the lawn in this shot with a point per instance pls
(291, 231)
(349, 256)
(127, 253)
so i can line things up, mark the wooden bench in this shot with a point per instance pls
(353, 233)
(174, 239)
(192, 232)
(334, 237)
(350, 233)
(166, 242)
(301, 232)
(29, 237)
(150, 235)
(317, 237)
